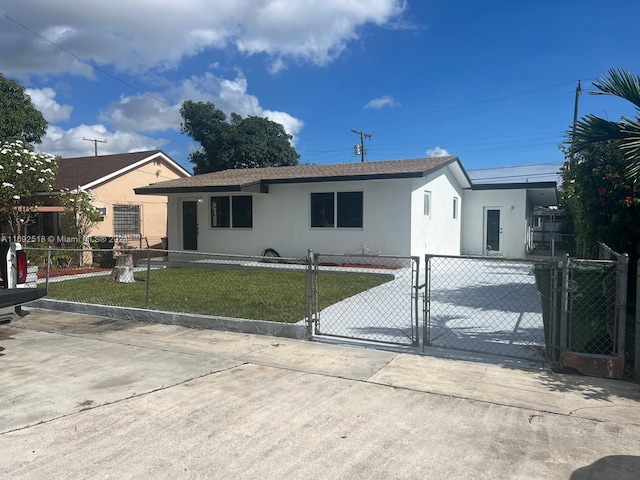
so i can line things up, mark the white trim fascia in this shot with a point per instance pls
(133, 166)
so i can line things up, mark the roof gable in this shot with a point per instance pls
(88, 172)
(248, 178)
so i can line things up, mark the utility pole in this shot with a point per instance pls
(95, 143)
(362, 137)
(575, 119)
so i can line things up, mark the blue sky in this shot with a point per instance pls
(491, 82)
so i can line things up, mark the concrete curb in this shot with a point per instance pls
(297, 331)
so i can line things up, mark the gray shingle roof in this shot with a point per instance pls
(236, 179)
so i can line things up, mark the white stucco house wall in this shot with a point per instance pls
(398, 207)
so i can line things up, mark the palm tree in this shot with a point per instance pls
(592, 129)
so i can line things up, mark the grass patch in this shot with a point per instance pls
(260, 294)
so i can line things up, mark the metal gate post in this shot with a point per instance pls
(309, 293)
(564, 314)
(416, 340)
(426, 306)
(553, 349)
(636, 360)
(623, 275)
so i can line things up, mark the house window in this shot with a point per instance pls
(427, 204)
(341, 209)
(232, 212)
(349, 209)
(242, 211)
(455, 207)
(126, 220)
(322, 209)
(220, 216)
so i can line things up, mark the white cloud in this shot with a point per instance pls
(138, 36)
(437, 152)
(142, 113)
(45, 100)
(382, 102)
(145, 114)
(71, 143)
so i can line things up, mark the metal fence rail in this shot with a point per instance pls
(487, 305)
(386, 311)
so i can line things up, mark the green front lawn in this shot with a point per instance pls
(260, 294)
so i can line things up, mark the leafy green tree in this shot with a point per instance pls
(24, 176)
(605, 203)
(235, 142)
(592, 129)
(19, 119)
(80, 216)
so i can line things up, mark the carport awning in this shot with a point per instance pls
(543, 197)
(540, 194)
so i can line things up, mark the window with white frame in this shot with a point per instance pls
(455, 207)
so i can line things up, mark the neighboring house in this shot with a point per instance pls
(399, 207)
(111, 180)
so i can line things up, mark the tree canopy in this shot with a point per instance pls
(236, 142)
(605, 203)
(19, 119)
(23, 176)
(592, 129)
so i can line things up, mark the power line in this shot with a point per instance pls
(466, 105)
(86, 62)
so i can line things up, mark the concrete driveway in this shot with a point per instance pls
(88, 397)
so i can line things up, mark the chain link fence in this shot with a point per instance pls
(380, 304)
(486, 305)
(256, 288)
(526, 308)
(531, 309)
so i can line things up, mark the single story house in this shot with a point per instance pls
(111, 180)
(398, 207)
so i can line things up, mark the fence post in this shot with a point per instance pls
(309, 293)
(553, 312)
(636, 360)
(426, 321)
(46, 284)
(564, 313)
(623, 272)
(146, 300)
(416, 289)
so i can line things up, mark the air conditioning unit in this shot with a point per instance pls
(102, 211)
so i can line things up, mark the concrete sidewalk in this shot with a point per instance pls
(88, 397)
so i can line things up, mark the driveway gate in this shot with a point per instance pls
(526, 308)
(486, 305)
(383, 306)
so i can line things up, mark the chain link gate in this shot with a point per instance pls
(381, 303)
(486, 305)
(593, 315)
